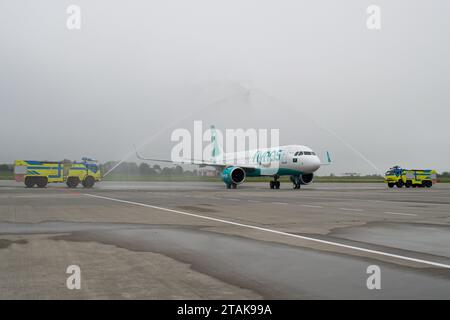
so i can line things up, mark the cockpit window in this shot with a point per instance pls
(313, 153)
(307, 153)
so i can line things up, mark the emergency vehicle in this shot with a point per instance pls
(399, 177)
(40, 173)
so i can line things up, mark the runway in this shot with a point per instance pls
(191, 240)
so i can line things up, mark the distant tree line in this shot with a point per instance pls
(444, 174)
(6, 167)
(131, 169)
(144, 169)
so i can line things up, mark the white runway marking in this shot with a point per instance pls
(350, 209)
(254, 201)
(279, 202)
(402, 214)
(300, 195)
(233, 199)
(310, 206)
(336, 244)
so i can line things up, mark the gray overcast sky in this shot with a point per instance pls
(135, 67)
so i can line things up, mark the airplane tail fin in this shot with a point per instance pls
(217, 149)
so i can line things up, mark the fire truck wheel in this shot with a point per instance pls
(30, 182)
(391, 185)
(42, 182)
(399, 183)
(72, 182)
(426, 184)
(88, 182)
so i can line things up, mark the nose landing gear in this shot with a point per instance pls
(296, 182)
(275, 184)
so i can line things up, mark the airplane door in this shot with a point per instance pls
(284, 157)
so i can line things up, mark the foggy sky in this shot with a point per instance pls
(137, 68)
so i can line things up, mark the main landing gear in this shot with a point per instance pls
(275, 184)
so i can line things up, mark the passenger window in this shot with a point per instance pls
(294, 160)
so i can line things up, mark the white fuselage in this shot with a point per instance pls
(283, 160)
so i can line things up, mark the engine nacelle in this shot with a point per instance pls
(234, 175)
(306, 178)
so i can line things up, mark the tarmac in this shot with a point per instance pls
(192, 240)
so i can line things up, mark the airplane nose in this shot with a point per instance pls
(316, 163)
(313, 164)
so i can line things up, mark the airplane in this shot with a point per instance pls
(299, 162)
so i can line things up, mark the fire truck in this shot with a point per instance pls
(410, 178)
(40, 173)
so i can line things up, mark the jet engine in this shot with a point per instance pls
(233, 175)
(306, 178)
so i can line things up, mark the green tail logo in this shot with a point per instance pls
(216, 148)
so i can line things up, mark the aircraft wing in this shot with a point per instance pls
(198, 162)
(184, 161)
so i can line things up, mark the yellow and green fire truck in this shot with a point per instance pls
(40, 173)
(410, 178)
